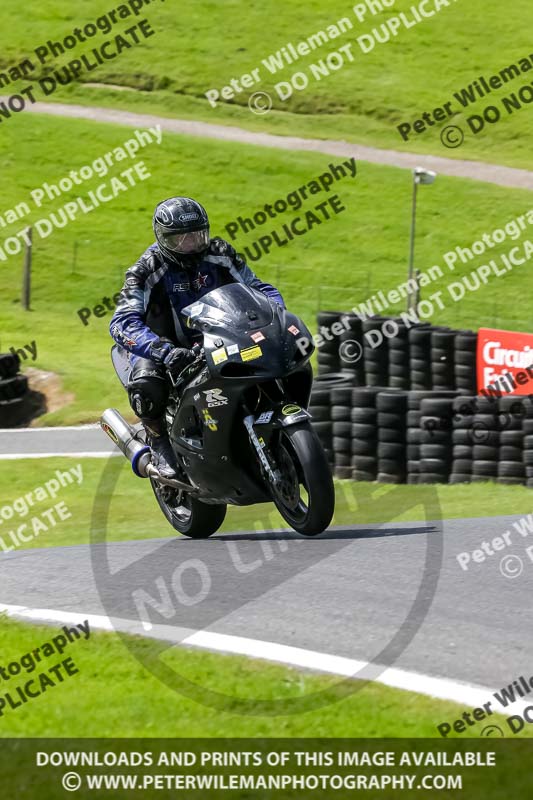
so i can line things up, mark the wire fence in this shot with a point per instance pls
(343, 296)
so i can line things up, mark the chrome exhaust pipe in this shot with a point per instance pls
(124, 436)
(137, 453)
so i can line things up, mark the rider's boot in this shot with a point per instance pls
(163, 457)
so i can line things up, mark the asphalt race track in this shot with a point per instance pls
(82, 440)
(347, 602)
(346, 593)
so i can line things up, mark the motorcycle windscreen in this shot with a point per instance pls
(236, 306)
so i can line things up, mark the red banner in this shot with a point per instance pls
(504, 362)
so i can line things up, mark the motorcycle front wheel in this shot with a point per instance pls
(304, 495)
(186, 514)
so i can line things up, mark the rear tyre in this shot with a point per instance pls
(187, 514)
(305, 496)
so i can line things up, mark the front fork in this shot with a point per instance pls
(261, 428)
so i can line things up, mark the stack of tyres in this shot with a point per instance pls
(320, 407)
(464, 408)
(414, 433)
(465, 362)
(328, 353)
(351, 349)
(13, 387)
(320, 410)
(486, 440)
(391, 419)
(341, 408)
(420, 357)
(364, 434)
(442, 359)
(375, 351)
(15, 403)
(510, 456)
(9, 365)
(527, 438)
(435, 439)
(399, 375)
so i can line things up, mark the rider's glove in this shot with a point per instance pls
(178, 358)
(173, 358)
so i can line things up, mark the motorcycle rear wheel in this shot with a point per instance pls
(302, 462)
(188, 515)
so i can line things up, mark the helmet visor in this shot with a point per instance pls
(187, 243)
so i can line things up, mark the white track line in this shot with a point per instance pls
(95, 454)
(459, 692)
(89, 427)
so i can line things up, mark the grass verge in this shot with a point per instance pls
(112, 695)
(356, 504)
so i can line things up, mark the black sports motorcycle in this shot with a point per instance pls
(237, 419)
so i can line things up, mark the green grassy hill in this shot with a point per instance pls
(203, 45)
(339, 263)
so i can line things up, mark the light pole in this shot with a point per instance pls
(424, 177)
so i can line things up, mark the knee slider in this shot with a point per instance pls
(148, 397)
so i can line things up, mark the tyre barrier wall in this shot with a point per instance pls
(423, 423)
(383, 351)
(15, 397)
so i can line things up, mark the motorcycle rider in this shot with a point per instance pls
(181, 266)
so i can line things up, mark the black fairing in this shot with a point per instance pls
(254, 364)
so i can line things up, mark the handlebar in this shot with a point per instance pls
(199, 355)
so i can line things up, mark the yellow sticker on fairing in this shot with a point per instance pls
(219, 355)
(209, 421)
(290, 409)
(251, 352)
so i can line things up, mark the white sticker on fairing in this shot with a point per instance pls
(232, 349)
(196, 309)
(214, 397)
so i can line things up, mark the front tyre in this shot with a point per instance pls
(304, 495)
(187, 514)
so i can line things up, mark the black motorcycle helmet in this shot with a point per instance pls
(181, 228)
